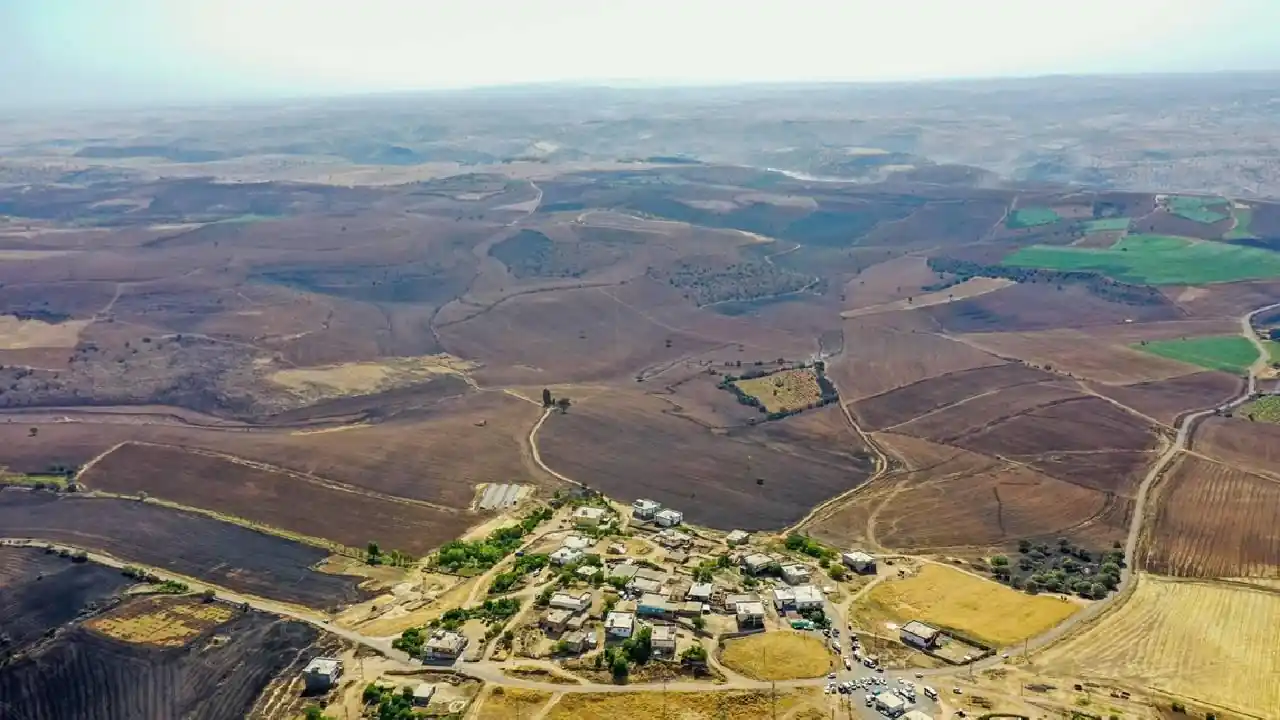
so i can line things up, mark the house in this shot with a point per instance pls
(670, 538)
(808, 597)
(619, 624)
(677, 557)
(565, 555)
(784, 598)
(586, 572)
(644, 509)
(651, 574)
(859, 562)
(654, 605)
(571, 601)
(662, 639)
(737, 537)
(917, 715)
(668, 518)
(626, 571)
(579, 641)
(890, 704)
(688, 608)
(556, 621)
(588, 516)
(757, 563)
(795, 574)
(321, 674)
(422, 694)
(731, 602)
(644, 585)
(577, 542)
(701, 592)
(918, 635)
(444, 645)
(750, 614)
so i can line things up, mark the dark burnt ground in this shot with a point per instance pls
(39, 592)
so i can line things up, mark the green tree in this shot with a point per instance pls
(1098, 590)
(836, 572)
(1000, 561)
(699, 622)
(373, 553)
(694, 653)
(546, 398)
(619, 668)
(1032, 586)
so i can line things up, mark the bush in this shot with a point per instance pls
(694, 654)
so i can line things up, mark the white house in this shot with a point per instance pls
(750, 614)
(322, 673)
(701, 592)
(795, 574)
(917, 634)
(784, 598)
(620, 624)
(422, 694)
(663, 639)
(577, 542)
(808, 597)
(859, 562)
(756, 563)
(645, 509)
(890, 704)
(565, 555)
(668, 517)
(737, 537)
(669, 538)
(588, 516)
(570, 601)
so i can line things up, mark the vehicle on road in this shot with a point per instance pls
(931, 693)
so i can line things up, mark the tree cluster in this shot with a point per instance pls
(1065, 568)
(1096, 283)
(802, 544)
(387, 704)
(483, 554)
(523, 566)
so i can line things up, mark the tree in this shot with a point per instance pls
(546, 397)
(699, 622)
(694, 654)
(1024, 546)
(619, 668)
(33, 432)
(563, 404)
(1032, 586)
(836, 572)
(1098, 590)
(1000, 561)
(208, 596)
(373, 554)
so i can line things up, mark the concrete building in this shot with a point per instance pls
(579, 641)
(757, 563)
(573, 602)
(737, 537)
(808, 597)
(668, 517)
(917, 715)
(890, 704)
(688, 608)
(644, 585)
(422, 694)
(626, 571)
(662, 639)
(651, 574)
(731, 602)
(645, 509)
(588, 516)
(444, 645)
(654, 605)
(917, 634)
(701, 592)
(795, 574)
(619, 624)
(557, 621)
(670, 538)
(577, 542)
(750, 614)
(565, 555)
(321, 674)
(859, 562)
(784, 598)
(587, 571)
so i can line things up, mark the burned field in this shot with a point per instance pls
(223, 554)
(41, 591)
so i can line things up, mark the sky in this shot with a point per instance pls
(144, 51)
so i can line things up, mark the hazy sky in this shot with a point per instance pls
(87, 51)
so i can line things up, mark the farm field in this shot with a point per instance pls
(1196, 208)
(726, 705)
(1106, 225)
(1031, 217)
(1164, 400)
(1250, 446)
(40, 592)
(1214, 521)
(1265, 409)
(777, 655)
(740, 479)
(1030, 307)
(1244, 218)
(905, 403)
(231, 556)
(783, 390)
(1229, 353)
(160, 621)
(504, 703)
(1157, 260)
(951, 599)
(1208, 643)
(275, 498)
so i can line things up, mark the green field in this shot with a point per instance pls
(1196, 208)
(1156, 260)
(1106, 225)
(1031, 217)
(1241, 231)
(1230, 353)
(1264, 409)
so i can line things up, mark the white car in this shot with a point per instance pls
(848, 664)
(831, 676)
(830, 688)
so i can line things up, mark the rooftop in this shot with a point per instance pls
(807, 593)
(751, 608)
(889, 700)
(424, 691)
(644, 504)
(617, 620)
(858, 556)
(737, 536)
(701, 590)
(589, 512)
(577, 542)
(323, 666)
(919, 629)
(663, 633)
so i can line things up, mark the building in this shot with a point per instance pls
(795, 574)
(577, 542)
(579, 641)
(557, 621)
(587, 516)
(808, 597)
(662, 639)
(701, 592)
(784, 598)
(731, 602)
(654, 605)
(570, 601)
(619, 624)
(673, 538)
(651, 574)
(644, 585)
(859, 562)
(321, 674)
(890, 704)
(757, 563)
(750, 614)
(422, 694)
(586, 572)
(668, 517)
(688, 608)
(444, 645)
(918, 635)
(626, 571)
(645, 509)
(565, 555)
(917, 715)
(737, 537)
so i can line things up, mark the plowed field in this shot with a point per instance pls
(1213, 520)
(903, 404)
(1213, 644)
